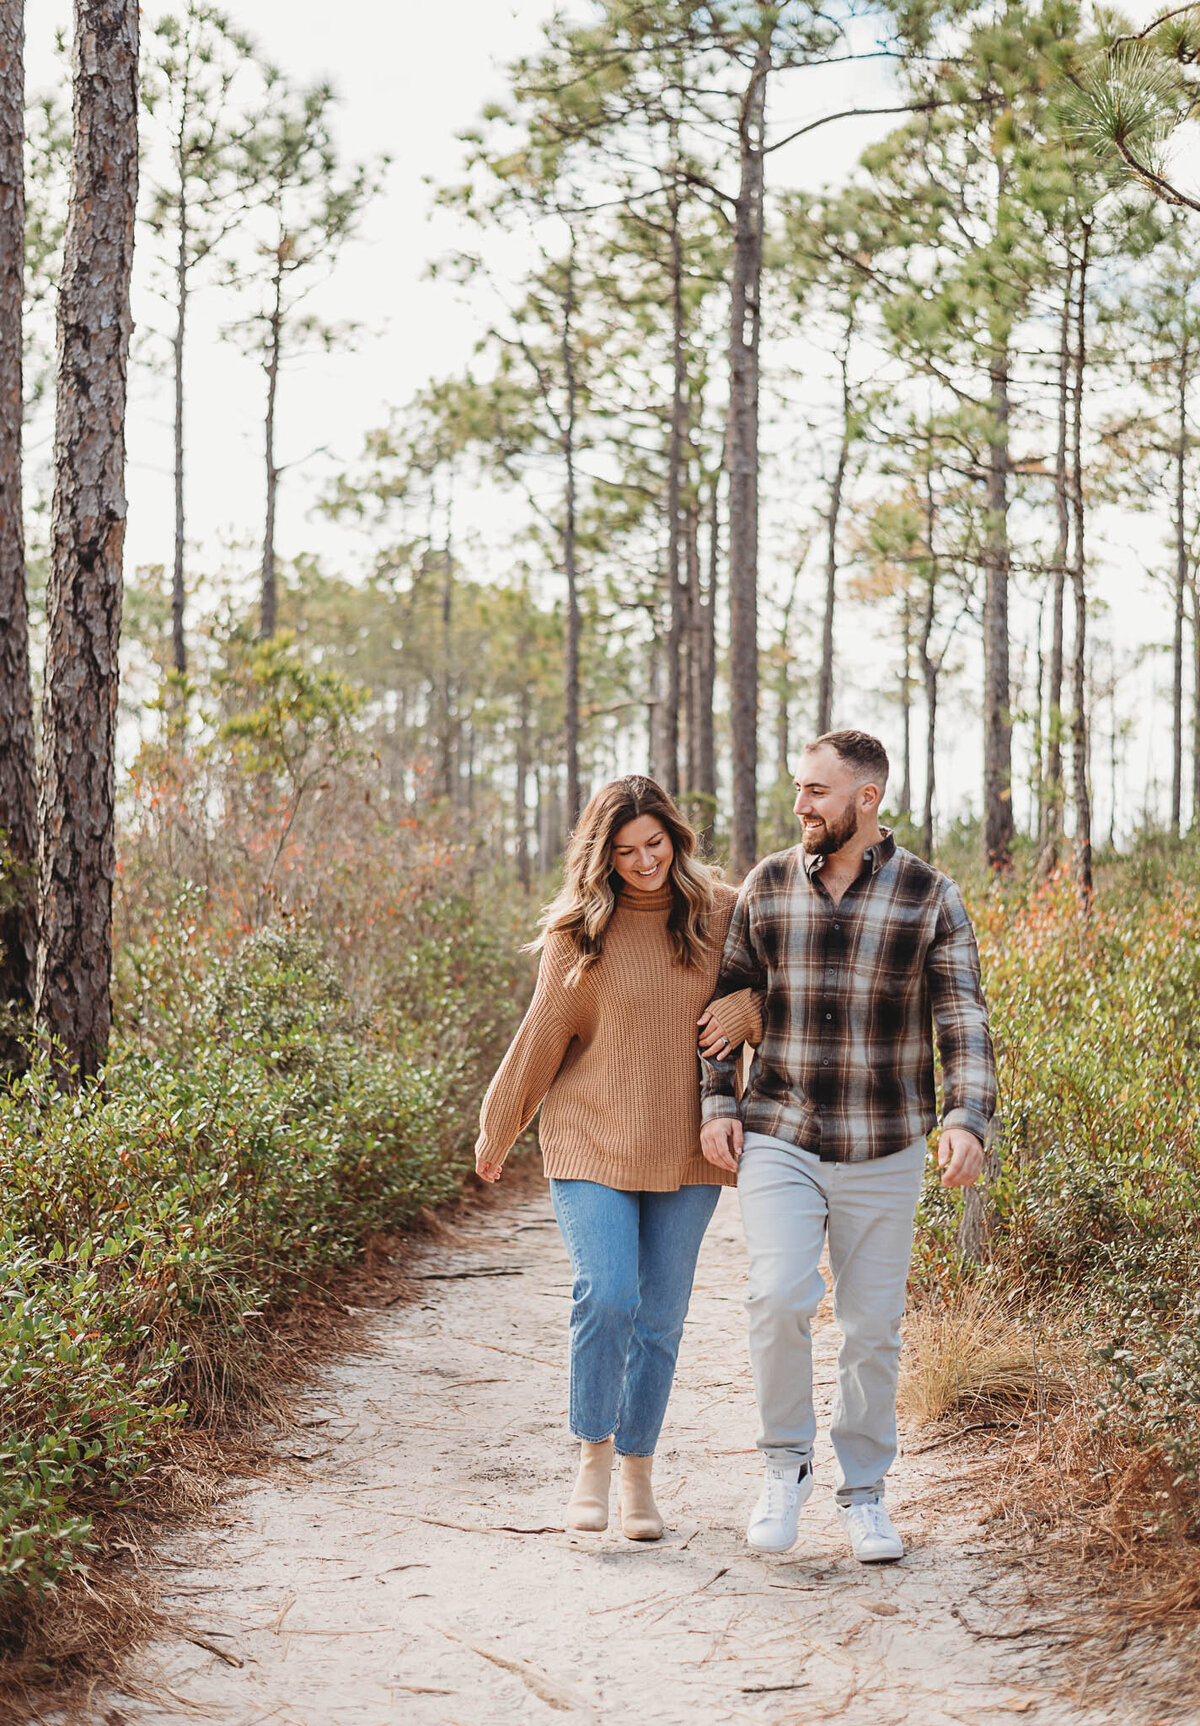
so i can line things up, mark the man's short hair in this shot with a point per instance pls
(861, 752)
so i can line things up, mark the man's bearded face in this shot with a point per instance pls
(825, 835)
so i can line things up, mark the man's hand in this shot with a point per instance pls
(713, 1042)
(486, 1169)
(721, 1142)
(960, 1156)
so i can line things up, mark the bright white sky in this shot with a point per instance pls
(409, 83)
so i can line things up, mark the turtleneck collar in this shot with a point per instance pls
(635, 899)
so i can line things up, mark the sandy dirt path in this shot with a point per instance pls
(413, 1568)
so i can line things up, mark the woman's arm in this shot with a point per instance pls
(533, 1059)
(731, 1020)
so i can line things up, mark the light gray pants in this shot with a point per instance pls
(789, 1200)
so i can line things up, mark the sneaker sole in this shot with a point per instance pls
(757, 1545)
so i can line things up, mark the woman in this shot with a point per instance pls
(629, 957)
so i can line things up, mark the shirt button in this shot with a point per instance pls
(825, 1062)
(838, 927)
(829, 1015)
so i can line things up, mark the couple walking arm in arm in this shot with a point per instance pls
(854, 950)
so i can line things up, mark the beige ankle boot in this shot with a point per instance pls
(640, 1519)
(588, 1508)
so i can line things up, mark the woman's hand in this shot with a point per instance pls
(486, 1169)
(714, 1044)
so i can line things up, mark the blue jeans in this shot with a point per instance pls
(633, 1256)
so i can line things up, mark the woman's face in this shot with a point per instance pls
(642, 853)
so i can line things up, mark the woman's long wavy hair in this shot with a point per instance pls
(583, 908)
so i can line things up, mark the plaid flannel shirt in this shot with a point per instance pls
(853, 992)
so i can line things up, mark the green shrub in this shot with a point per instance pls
(159, 1222)
(1097, 1025)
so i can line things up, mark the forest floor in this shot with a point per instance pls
(406, 1561)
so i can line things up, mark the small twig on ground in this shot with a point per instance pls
(554, 1695)
(999, 1635)
(211, 1648)
(463, 1276)
(961, 1432)
(773, 1689)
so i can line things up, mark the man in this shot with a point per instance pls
(857, 945)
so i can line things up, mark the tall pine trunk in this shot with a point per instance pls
(569, 548)
(1052, 778)
(87, 533)
(706, 671)
(178, 637)
(268, 603)
(692, 639)
(825, 685)
(1194, 591)
(1079, 713)
(677, 594)
(447, 775)
(18, 786)
(1181, 576)
(741, 454)
(930, 668)
(906, 707)
(997, 715)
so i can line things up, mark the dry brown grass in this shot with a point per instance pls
(1099, 1523)
(969, 1357)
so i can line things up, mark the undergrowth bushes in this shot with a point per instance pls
(1096, 1227)
(312, 985)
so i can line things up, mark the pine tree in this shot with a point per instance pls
(76, 809)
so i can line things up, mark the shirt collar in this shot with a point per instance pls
(874, 857)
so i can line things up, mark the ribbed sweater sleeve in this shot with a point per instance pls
(739, 1016)
(534, 1056)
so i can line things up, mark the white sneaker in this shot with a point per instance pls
(774, 1525)
(872, 1535)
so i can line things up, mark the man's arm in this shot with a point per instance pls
(960, 1018)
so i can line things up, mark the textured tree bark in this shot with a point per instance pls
(692, 642)
(268, 603)
(18, 782)
(997, 716)
(520, 814)
(178, 638)
(569, 536)
(741, 455)
(1181, 576)
(1079, 705)
(930, 668)
(73, 998)
(825, 686)
(906, 707)
(676, 626)
(448, 774)
(706, 671)
(1052, 780)
(1194, 591)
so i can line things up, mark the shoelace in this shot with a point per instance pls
(778, 1488)
(870, 1517)
(777, 1495)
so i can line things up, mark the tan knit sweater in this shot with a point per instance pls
(613, 1059)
